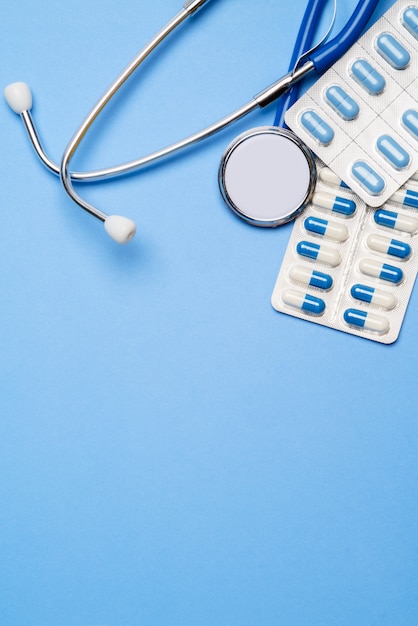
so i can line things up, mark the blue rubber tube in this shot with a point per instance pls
(328, 53)
(303, 43)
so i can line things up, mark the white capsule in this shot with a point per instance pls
(329, 256)
(377, 323)
(397, 221)
(384, 271)
(311, 277)
(371, 295)
(326, 228)
(406, 224)
(321, 253)
(329, 177)
(405, 197)
(339, 232)
(392, 247)
(366, 320)
(384, 299)
(377, 243)
(323, 200)
(303, 301)
(337, 204)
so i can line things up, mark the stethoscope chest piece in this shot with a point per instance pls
(267, 176)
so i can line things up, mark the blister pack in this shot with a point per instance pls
(361, 116)
(349, 266)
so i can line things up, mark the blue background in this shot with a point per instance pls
(172, 450)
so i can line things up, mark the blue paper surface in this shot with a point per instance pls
(172, 450)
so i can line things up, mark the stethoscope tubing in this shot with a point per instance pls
(318, 62)
(302, 45)
(100, 105)
(130, 166)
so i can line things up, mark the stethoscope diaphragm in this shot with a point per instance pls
(267, 176)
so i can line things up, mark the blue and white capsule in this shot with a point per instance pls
(303, 301)
(311, 278)
(321, 253)
(326, 228)
(346, 207)
(405, 197)
(384, 271)
(391, 219)
(392, 247)
(377, 297)
(392, 51)
(330, 178)
(366, 321)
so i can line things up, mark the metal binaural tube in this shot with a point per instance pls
(100, 105)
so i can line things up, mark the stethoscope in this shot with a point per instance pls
(277, 153)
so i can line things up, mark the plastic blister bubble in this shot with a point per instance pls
(354, 117)
(349, 266)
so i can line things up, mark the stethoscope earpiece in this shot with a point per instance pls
(19, 97)
(120, 229)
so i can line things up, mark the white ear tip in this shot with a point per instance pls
(120, 228)
(18, 97)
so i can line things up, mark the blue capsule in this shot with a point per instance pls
(410, 21)
(391, 273)
(355, 318)
(366, 321)
(336, 204)
(313, 305)
(303, 301)
(310, 250)
(345, 206)
(325, 228)
(400, 249)
(392, 51)
(342, 103)
(393, 247)
(367, 77)
(321, 280)
(405, 197)
(313, 278)
(316, 225)
(397, 156)
(410, 122)
(370, 180)
(377, 297)
(330, 178)
(363, 293)
(411, 198)
(376, 269)
(323, 254)
(317, 127)
(386, 218)
(390, 219)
